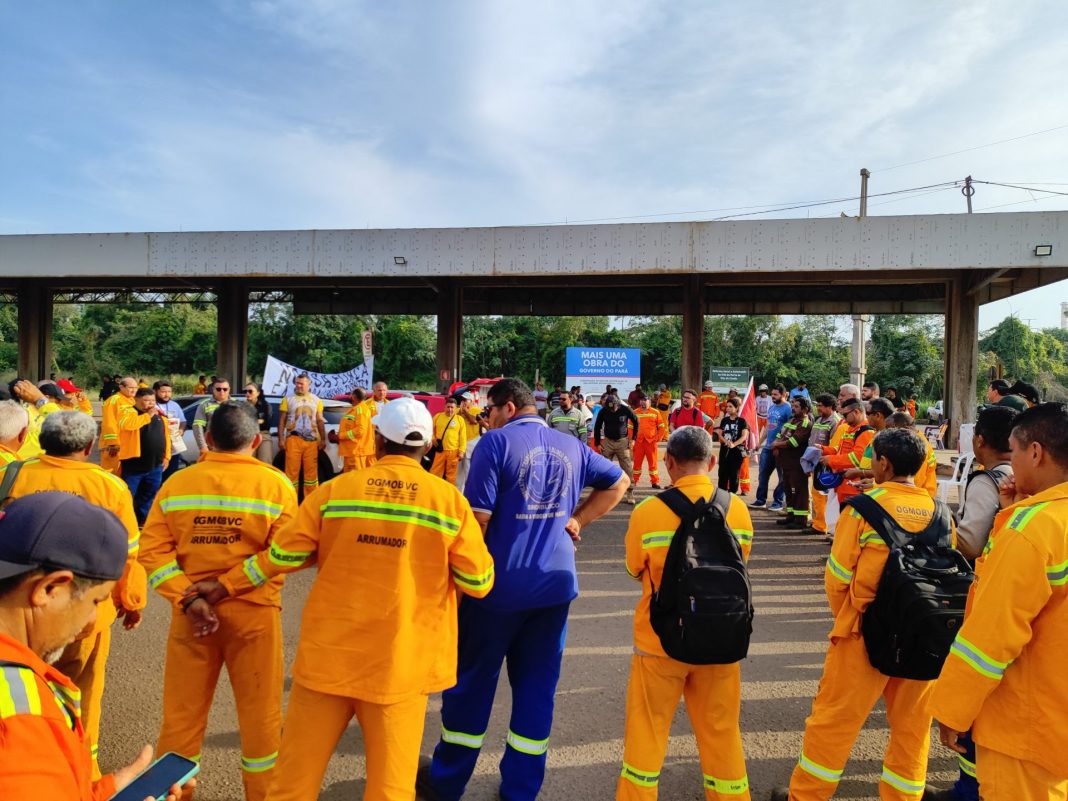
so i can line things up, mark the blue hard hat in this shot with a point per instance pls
(826, 479)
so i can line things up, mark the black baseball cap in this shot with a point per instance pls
(51, 389)
(60, 531)
(850, 403)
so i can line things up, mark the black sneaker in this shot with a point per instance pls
(932, 794)
(784, 521)
(779, 794)
(424, 790)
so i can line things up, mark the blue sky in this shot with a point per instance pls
(329, 114)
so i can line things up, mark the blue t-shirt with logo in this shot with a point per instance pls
(528, 478)
(778, 415)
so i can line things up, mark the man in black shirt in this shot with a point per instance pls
(144, 451)
(616, 441)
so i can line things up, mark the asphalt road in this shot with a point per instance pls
(779, 679)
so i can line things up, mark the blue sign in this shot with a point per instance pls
(604, 363)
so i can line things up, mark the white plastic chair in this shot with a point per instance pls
(964, 438)
(961, 470)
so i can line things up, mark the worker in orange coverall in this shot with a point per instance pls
(650, 432)
(850, 686)
(207, 519)
(347, 432)
(59, 560)
(67, 439)
(713, 693)
(1004, 677)
(379, 633)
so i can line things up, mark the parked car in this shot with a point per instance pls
(935, 413)
(329, 463)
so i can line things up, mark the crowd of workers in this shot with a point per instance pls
(421, 516)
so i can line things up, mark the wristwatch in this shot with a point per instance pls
(41, 401)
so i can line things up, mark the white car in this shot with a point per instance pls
(935, 413)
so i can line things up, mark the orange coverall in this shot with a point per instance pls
(365, 434)
(109, 428)
(45, 751)
(302, 455)
(208, 518)
(848, 444)
(85, 659)
(850, 686)
(1004, 677)
(392, 544)
(650, 432)
(713, 693)
(708, 402)
(131, 422)
(346, 439)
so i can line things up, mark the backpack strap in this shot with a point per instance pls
(878, 518)
(676, 500)
(939, 531)
(11, 474)
(721, 499)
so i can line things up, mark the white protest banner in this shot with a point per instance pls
(278, 377)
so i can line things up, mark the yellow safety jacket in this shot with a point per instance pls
(31, 446)
(364, 431)
(1004, 676)
(347, 431)
(109, 419)
(649, 534)
(214, 515)
(453, 437)
(131, 422)
(392, 544)
(100, 488)
(7, 456)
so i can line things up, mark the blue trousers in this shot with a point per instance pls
(143, 487)
(966, 787)
(765, 468)
(531, 642)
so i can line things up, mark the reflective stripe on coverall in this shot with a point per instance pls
(85, 659)
(302, 455)
(1004, 676)
(207, 519)
(392, 544)
(850, 686)
(712, 692)
(45, 753)
(347, 439)
(845, 451)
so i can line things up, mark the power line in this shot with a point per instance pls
(1016, 186)
(840, 200)
(971, 149)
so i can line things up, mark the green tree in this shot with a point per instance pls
(907, 353)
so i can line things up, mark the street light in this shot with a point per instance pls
(1043, 250)
(399, 260)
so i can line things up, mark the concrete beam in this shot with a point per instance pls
(35, 331)
(962, 355)
(450, 333)
(231, 356)
(693, 334)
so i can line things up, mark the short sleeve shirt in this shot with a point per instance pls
(302, 412)
(528, 478)
(778, 415)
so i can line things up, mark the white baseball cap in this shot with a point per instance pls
(404, 421)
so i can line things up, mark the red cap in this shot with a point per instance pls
(67, 385)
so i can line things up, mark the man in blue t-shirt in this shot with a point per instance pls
(524, 485)
(779, 413)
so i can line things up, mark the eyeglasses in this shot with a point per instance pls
(249, 391)
(221, 389)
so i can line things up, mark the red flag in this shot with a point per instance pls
(748, 413)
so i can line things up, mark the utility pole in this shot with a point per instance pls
(968, 190)
(858, 367)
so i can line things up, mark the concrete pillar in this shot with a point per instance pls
(450, 333)
(231, 355)
(962, 356)
(693, 333)
(858, 367)
(35, 331)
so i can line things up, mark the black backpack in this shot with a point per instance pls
(919, 605)
(703, 609)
